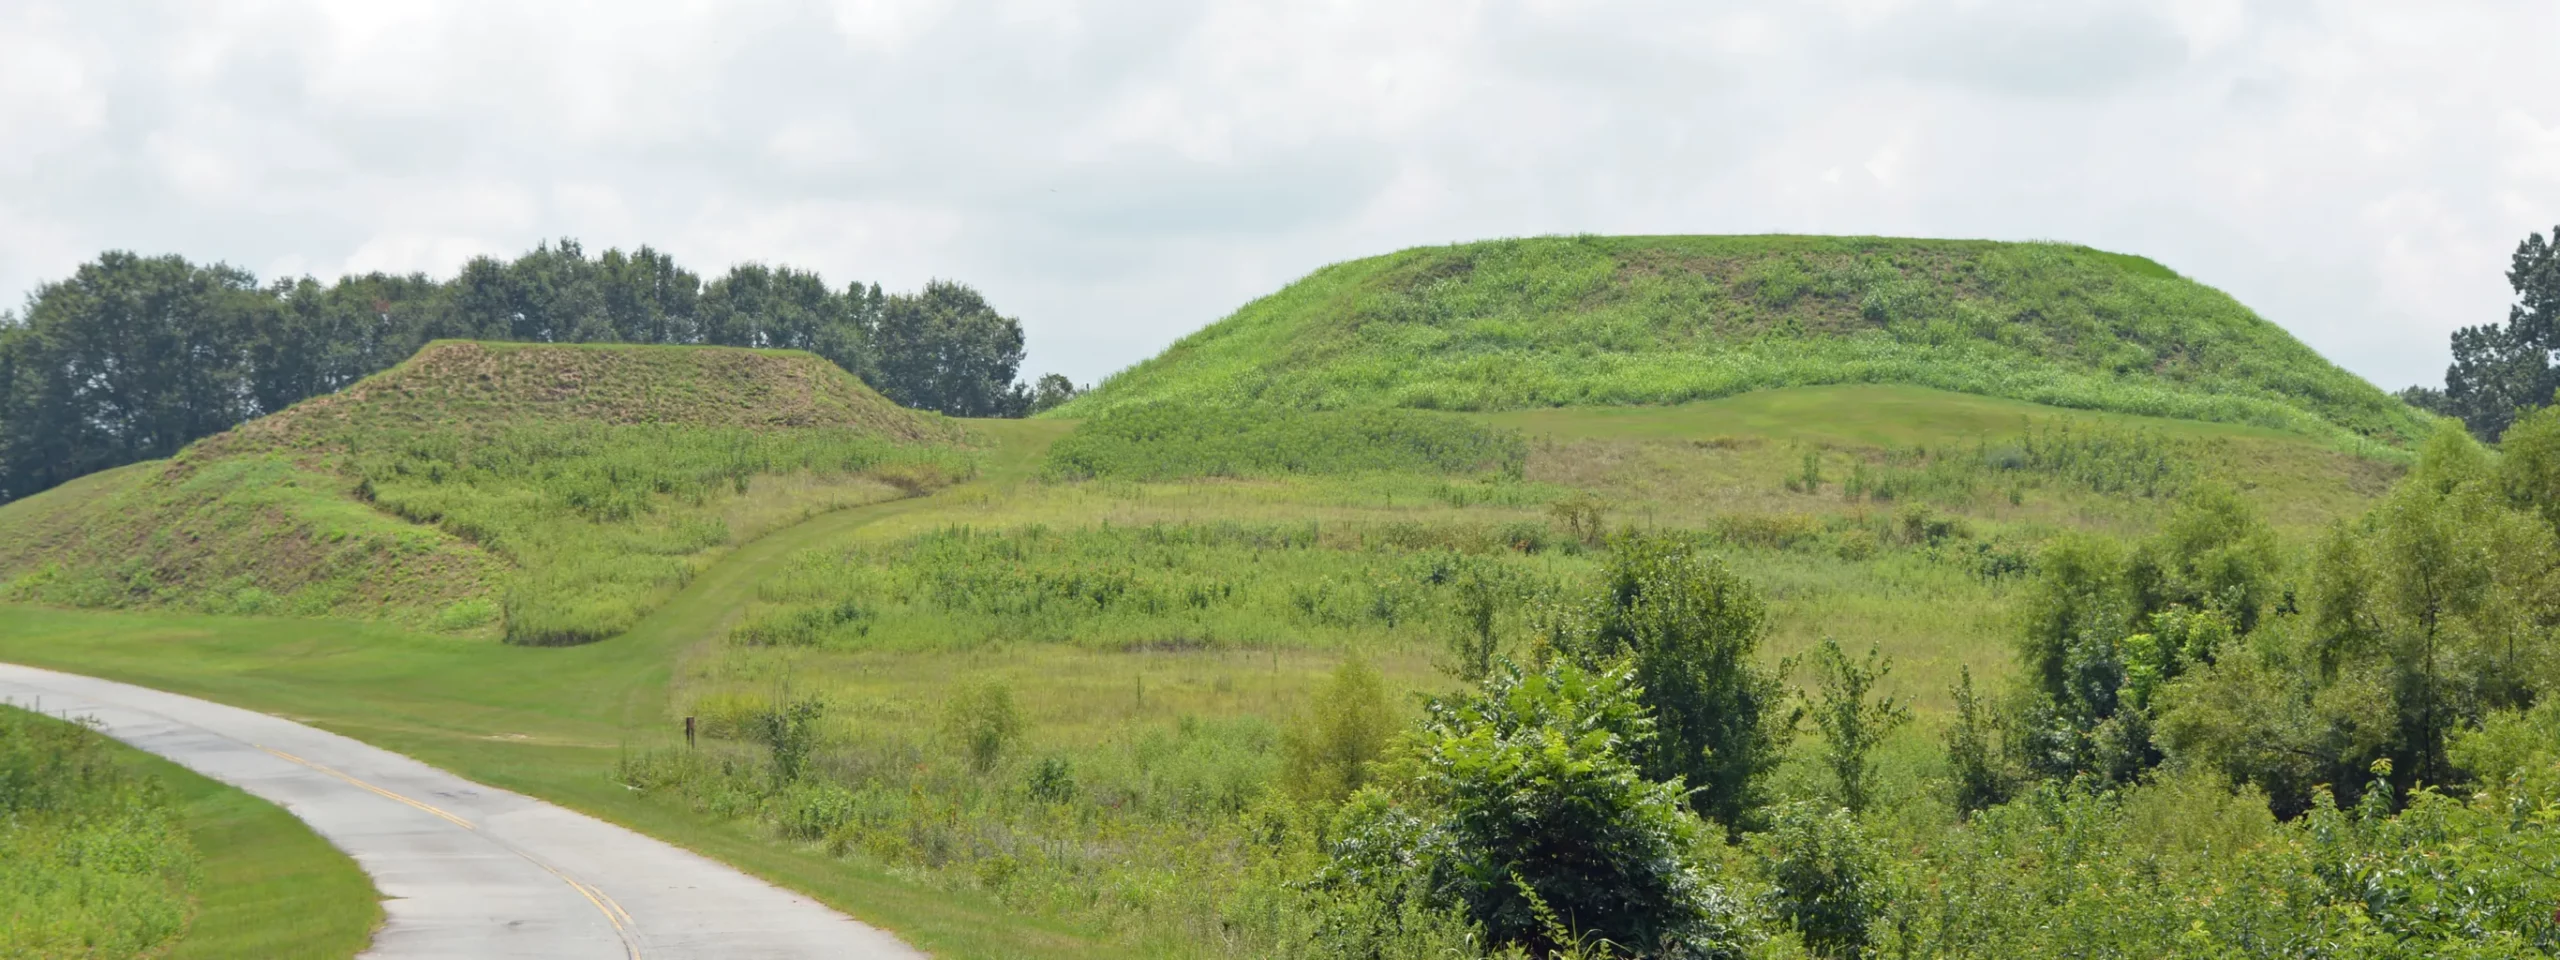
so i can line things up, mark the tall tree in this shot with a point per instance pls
(945, 349)
(2499, 369)
(128, 360)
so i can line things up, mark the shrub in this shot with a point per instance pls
(1531, 817)
(1852, 724)
(788, 728)
(1328, 752)
(1828, 878)
(982, 720)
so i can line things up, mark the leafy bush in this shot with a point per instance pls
(982, 720)
(1169, 441)
(1828, 878)
(1529, 813)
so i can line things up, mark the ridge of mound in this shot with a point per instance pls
(1574, 321)
(471, 382)
(553, 491)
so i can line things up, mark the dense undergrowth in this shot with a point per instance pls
(93, 859)
(553, 493)
(1624, 320)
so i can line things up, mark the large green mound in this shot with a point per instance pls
(1570, 321)
(556, 491)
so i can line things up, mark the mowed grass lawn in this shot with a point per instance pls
(271, 888)
(554, 723)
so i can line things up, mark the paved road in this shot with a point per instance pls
(470, 871)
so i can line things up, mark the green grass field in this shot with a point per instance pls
(1157, 632)
(1613, 321)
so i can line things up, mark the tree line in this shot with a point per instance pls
(131, 358)
(2501, 370)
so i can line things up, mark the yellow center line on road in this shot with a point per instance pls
(619, 918)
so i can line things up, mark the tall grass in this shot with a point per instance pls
(1655, 320)
(1168, 441)
(93, 860)
(1159, 586)
(604, 520)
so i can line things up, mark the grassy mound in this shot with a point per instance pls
(1577, 321)
(557, 490)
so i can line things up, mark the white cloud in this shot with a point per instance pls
(1120, 173)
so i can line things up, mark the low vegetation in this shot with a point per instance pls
(1173, 441)
(1655, 320)
(94, 860)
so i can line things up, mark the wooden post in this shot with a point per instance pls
(688, 733)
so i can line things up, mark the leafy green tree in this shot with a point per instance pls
(129, 359)
(1851, 720)
(1052, 390)
(1691, 628)
(945, 349)
(2500, 369)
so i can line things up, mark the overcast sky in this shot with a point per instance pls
(1118, 174)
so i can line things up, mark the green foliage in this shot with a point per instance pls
(943, 348)
(1828, 878)
(93, 859)
(788, 728)
(1625, 320)
(1851, 723)
(1528, 809)
(1170, 441)
(2500, 370)
(1329, 752)
(1690, 628)
(981, 718)
(1976, 760)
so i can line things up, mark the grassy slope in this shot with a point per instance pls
(563, 488)
(554, 722)
(1651, 320)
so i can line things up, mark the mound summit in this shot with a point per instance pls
(1567, 321)
(555, 489)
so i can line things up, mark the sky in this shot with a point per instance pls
(1118, 174)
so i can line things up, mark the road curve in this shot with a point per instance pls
(468, 871)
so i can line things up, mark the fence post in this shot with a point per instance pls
(688, 733)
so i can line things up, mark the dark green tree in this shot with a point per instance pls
(129, 359)
(2499, 369)
(1052, 390)
(945, 349)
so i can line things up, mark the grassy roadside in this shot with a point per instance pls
(271, 888)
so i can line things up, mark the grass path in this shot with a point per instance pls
(545, 722)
